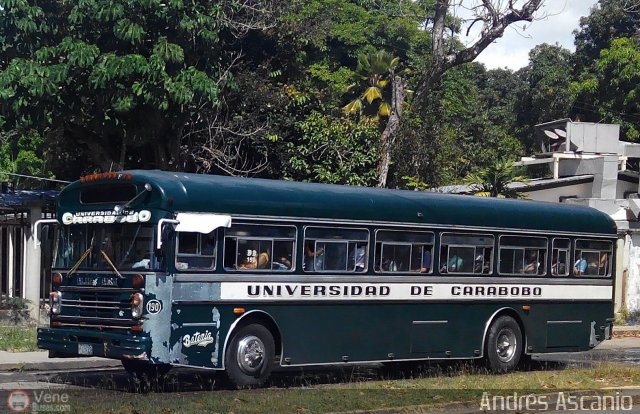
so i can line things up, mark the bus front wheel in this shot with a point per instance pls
(249, 358)
(504, 344)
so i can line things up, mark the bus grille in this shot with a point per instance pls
(97, 305)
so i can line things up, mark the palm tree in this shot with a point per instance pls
(496, 180)
(378, 71)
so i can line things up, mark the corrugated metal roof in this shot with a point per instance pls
(24, 198)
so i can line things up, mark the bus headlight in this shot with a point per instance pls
(136, 305)
(55, 302)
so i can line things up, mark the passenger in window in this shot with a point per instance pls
(603, 264)
(580, 266)
(313, 258)
(282, 263)
(262, 262)
(532, 265)
(455, 263)
(425, 265)
(557, 268)
(360, 258)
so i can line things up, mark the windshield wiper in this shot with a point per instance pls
(108, 260)
(80, 260)
(119, 208)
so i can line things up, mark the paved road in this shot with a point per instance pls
(624, 350)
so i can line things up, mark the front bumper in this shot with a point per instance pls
(103, 344)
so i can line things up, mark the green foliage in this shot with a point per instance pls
(547, 96)
(610, 91)
(333, 151)
(18, 308)
(23, 154)
(111, 76)
(496, 180)
(610, 19)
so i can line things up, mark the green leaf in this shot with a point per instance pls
(372, 93)
(168, 52)
(129, 31)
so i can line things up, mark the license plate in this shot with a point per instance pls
(85, 349)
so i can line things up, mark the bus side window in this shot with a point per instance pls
(196, 251)
(560, 257)
(593, 258)
(404, 251)
(263, 248)
(330, 249)
(522, 255)
(466, 253)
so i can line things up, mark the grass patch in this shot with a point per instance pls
(20, 338)
(429, 391)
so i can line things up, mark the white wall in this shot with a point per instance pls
(553, 194)
(632, 299)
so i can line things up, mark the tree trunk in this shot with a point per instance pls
(388, 137)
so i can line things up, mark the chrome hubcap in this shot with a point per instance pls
(506, 345)
(250, 354)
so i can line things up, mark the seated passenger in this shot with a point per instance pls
(580, 266)
(425, 265)
(455, 263)
(261, 263)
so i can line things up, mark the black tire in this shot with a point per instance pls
(249, 357)
(504, 345)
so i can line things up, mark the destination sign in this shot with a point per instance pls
(106, 217)
(408, 291)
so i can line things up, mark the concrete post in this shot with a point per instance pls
(32, 264)
(11, 232)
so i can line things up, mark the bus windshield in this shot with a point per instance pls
(91, 246)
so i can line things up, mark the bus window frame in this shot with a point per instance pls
(543, 263)
(404, 243)
(196, 255)
(609, 264)
(347, 241)
(570, 262)
(445, 265)
(236, 269)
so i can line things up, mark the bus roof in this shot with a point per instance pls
(183, 192)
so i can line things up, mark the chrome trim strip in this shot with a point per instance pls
(428, 322)
(562, 322)
(196, 324)
(413, 225)
(494, 280)
(82, 325)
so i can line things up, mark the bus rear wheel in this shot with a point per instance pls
(249, 358)
(504, 345)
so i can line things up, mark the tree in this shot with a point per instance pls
(612, 88)
(446, 53)
(378, 71)
(547, 97)
(495, 17)
(496, 180)
(120, 80)
(608, 20)
(338, 151)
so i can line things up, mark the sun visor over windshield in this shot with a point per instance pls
(201, 223)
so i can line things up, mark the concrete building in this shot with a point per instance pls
(25, 269)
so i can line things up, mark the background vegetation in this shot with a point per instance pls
(312, 90)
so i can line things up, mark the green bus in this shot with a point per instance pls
(161, 269)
